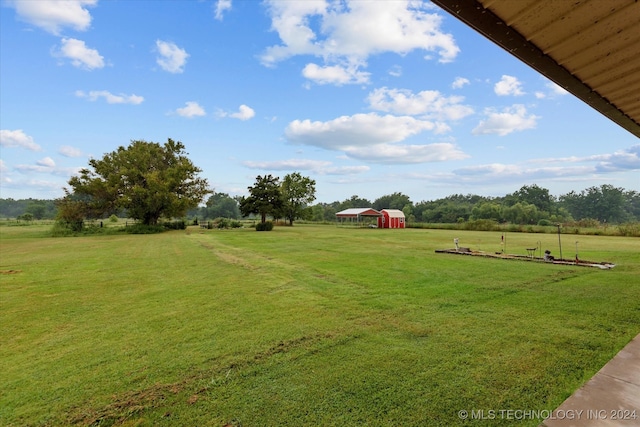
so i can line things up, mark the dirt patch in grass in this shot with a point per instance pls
(10, 271)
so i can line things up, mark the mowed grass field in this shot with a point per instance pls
(304, 325)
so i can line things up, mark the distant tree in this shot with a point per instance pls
(264, 198)
(487, 210)
(392, 201)
(297, 192)
(37, 208)
(605, 203)
(147, 179)
(533, 195)
(221, 205)
(26, 217)
(354, 201)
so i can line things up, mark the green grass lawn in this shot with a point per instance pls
(304, 325)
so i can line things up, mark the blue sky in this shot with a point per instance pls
(366, 97)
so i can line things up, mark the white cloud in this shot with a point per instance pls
(556, 89)
(407, 154)
(553, 90)
(69, 151)
(46, 162)
(53, 15)
(221, 7)
(172, 58)
(94, 95)
(80, 55)
(349, 32)
(290, 164)
(395, 71)
(192, 109)
(44, 165)
(508, 85)
(459, 83)
(359, 130)
(511, 119)
(244, 113)
(374, 138)
(17, 138)
(335, 74)
(430, 103)
(317, 166)
(627, 159)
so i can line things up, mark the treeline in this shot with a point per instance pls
(28, 209)
(528, 205)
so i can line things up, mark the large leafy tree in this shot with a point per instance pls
(264, 198)
(297, 192)
(147, 179)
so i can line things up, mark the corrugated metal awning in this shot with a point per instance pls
(591, 48)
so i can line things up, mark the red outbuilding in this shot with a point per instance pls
(391, 218)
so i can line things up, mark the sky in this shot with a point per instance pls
(367, 98)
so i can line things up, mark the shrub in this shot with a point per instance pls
(264, 226)
(545, 222)
(113, 218)
(144, 229)
(175, 225)
(631, 229)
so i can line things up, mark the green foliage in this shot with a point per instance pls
(26, 217)
(221, 205)
(264, 226)
(265, 198)
(40, 209)
(297, 192)
(113, 218)
(392, 201)
(147, 179)
(175, 225)
(71, 213)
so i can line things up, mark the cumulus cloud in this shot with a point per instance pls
(190, 110)
(221, 7)
(335, 74)
(511, 119)
(508, 85)
(17, 138)
(349, 32)
(359, 130)
(54, 15)
(459, 83)
(244, 113)
(44, 165)
(371, 137)
(69, 151)
(429, 103)
(80, 55)
(171, 58)
(407, 154)
(94, 95)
